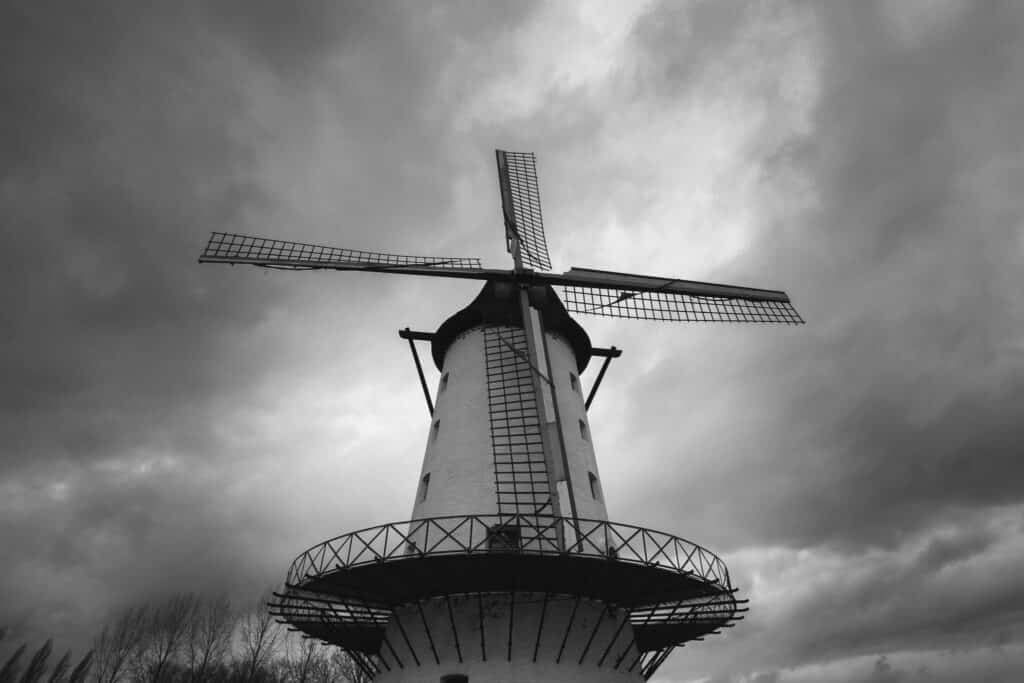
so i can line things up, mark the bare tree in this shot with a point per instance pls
(60, 669)
(37, 665)
(305, 660)
(81, 672)
(346, 668)
(117, 643)
(208, 637)
(259, 634)
(10, 669)
(165, 634)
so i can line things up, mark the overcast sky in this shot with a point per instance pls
(168, 426)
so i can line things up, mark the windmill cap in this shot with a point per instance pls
(498, 304)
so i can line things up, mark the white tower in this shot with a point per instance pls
(509, 569)
(485, 458)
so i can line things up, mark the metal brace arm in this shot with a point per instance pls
(608, 354)
(422, 336)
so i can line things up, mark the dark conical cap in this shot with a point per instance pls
(498, 304)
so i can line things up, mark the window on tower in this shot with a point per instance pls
(584, 432)
(424, 485)
(436, 429)
(595, 486)
(444, 382)
(574, 382)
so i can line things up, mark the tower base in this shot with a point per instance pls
(516, 637)
(508, 597)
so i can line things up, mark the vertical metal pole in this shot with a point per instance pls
(553, 437)
(558, 426)
(597, 627)
(393, 653)
(483, 641)
(625, 652)
(511, 616)
(426, 629)
(540, 626)
(542, 399)
(455, 632)
(568, 629)
(405, 637)
(614, 638)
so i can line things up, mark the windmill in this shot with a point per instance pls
(509, 568)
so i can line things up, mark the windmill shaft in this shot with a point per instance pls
(575, 277)
(587, 277)
(300, 264)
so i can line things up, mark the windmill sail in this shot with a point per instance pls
(624, 295)
(260, 251)
(520, 471)
(520, 204)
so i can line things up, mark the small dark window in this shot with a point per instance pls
(437, 428)
(503, 538)
(574, 382)
(595, 487)
(583, 430)
(444, 382)
(424, 485)
(455, 678)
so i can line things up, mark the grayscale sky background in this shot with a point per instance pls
(169, 427)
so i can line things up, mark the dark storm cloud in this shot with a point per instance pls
(129, 132)
(96, 208)
(898, 409)
(902, 397)
(124, 130)
(889, 424)
(117, 157)
(947, 594)
(920, 405)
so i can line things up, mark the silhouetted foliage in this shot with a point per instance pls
(116, 645)
(189, 638)
(81, 672)
(37, 665)
(60, 670)
(260, 635)
(209, 637)
(9, 672)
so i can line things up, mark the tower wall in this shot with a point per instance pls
(458, 475)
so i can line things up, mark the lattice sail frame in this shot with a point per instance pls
(520, 200)
(302, 256)
(672, 306)
(521, 479)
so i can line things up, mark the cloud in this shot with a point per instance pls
(891, 417)
(159, 412)
(203, 424)
(896, 404)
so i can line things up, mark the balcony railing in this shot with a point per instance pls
(517, 534)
